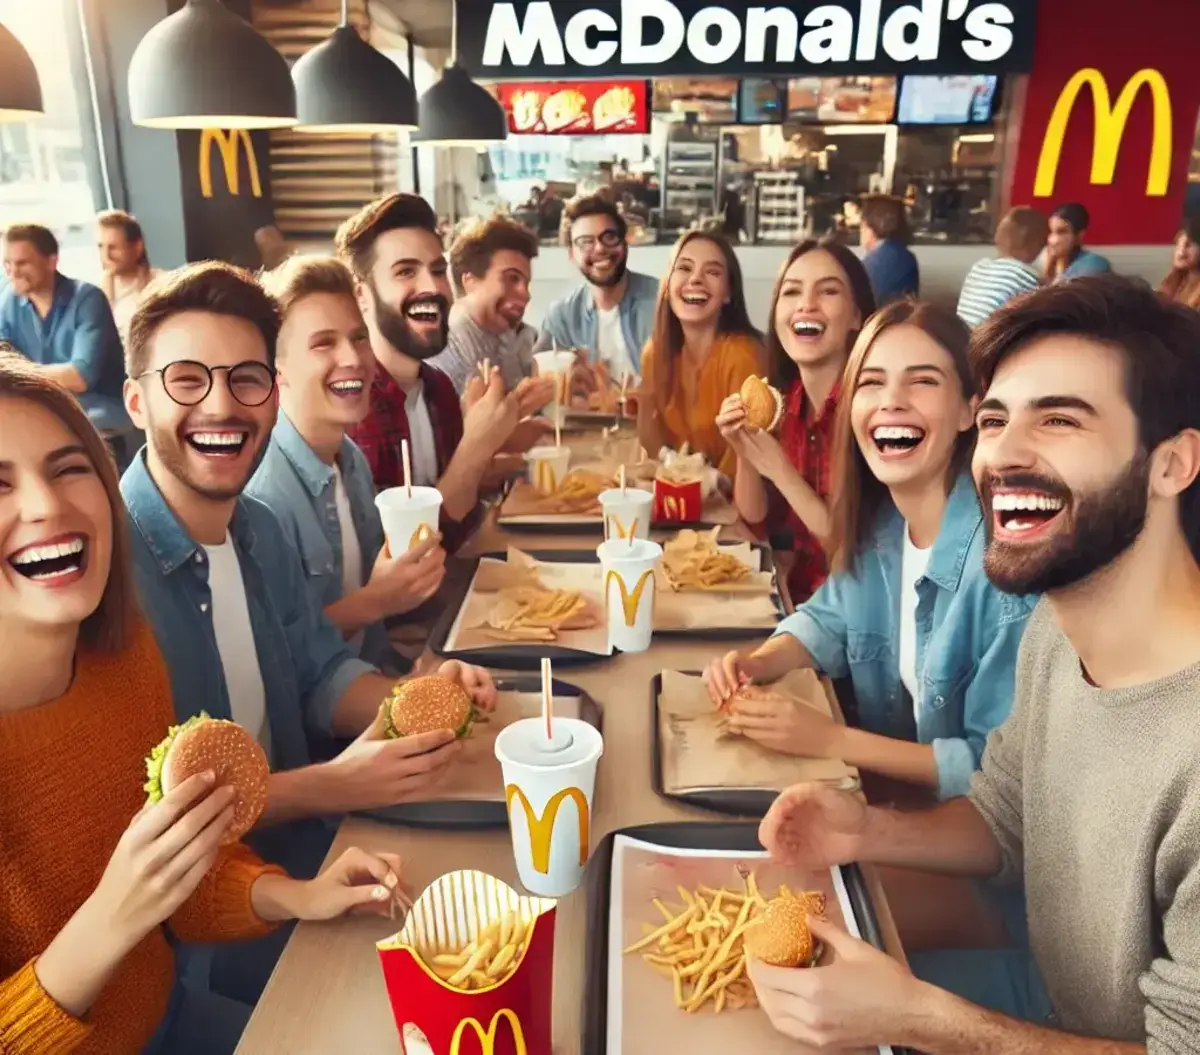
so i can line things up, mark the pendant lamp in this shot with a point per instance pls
(204, 67)
(20, 89)
(345, 85)
(457, 112)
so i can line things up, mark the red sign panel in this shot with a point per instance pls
(576, 107)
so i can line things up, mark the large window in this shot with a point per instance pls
(43, 176)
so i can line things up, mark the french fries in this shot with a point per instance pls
(694, 561)
(534, 614)
(488, 960)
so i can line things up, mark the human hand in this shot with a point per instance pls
(726, 674)
(490, 414)
(477, 682)
(534, 394)
(785, 725)
(375, 771)
(400, 584)
(358, 882)
(763, 452)
(815, 827)
(527, 434)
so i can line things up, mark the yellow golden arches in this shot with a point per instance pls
(615, 521)
(541, 829)
(544, 477)
(488, 1037)
(423, 532)
(228, 144)
(630, 602)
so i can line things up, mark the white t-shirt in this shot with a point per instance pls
(912, 567)
(352, 569)
(235, 642)
(611, 341)
(421, 448)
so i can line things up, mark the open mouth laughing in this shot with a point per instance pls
(897, 441)
(424, 312)
(347, 388)
(808, 329)
(1024, 514)
(223, 443)
(695, 298)
(55, 562)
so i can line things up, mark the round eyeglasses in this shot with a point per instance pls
(610, 239)
(189, 383)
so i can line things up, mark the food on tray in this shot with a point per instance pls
(779, 935)
(694, 561)
(614, 108)
(746, 692)
(578, 494)
(531, 613)
(563, 109)
(490, 959)
(427, 704)
(764, 404)
(203, 743)
(682, 467)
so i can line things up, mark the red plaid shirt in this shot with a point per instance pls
(380, 433)
(809, 446)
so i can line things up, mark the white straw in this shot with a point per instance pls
(548, 698)
(621, 472)
(404, 457)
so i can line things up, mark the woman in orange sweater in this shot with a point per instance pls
(702, 349)
(91, 879)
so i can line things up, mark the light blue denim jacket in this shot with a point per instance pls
(967, 638)
(572, 321)
(299, 489)
(305, 664)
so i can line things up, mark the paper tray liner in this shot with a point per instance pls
(524, 504)
(511, 1017)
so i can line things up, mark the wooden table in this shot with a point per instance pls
(327, 992)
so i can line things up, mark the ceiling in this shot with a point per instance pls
(427, 20)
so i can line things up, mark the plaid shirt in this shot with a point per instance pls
(380, 433)
(809, 446)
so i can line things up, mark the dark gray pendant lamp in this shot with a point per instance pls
(20, 89)
(204, 67)
(457, 112)
(345, 85)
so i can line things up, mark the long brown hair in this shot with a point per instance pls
(859, 495)
(667, 336)
(1183, 284)
(783, 371)
(110, 627)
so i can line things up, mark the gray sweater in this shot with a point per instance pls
(1094, 797)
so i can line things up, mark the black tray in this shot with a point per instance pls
(702, 835)
(463, 813)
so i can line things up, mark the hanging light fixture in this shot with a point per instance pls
(204, 67)
(20, 89)
(457, 112)
(345, 85)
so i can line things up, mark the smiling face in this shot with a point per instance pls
(56, 523)
(1063, 479)
(498, 298)
(325, 362)
(699, 284)
(118, 255)
(1186, 256)
(407, 299)
(27, 270)
(599, 249)
(908, 409)
(815, 313)
(1063, 241)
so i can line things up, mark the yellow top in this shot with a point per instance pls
(691, 411)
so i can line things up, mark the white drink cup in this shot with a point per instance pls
(408, 520)
(557, 365)
(547, 467)
(627, 512)
(627, 567)
(548, 788)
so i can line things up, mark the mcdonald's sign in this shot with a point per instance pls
(1111, 119)
(630, 602)
(541, 829)
(229, 143)
(488, 1037)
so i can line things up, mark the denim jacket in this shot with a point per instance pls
(572, 321)
(299, 489)
(967, 637)
(305, 664)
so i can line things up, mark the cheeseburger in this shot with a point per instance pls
(780, 935)
(764, 404)
(426, 705)
(203, 743)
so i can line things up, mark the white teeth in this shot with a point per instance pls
(424, 312)
(218, 439)
(808, 328)
(695, 298)
(347, 386)
(53, 551)
(897, 432)
(1010, 502)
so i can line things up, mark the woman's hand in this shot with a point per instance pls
(765, 454)
(785, 725)
(731, 420)
(357, 882)
(730, 672)
(477, 681)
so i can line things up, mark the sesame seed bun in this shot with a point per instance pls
(763, 403)
(780, 936)
(425, 705)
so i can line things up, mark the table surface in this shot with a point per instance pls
(327, 992)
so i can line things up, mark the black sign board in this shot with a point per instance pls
(534, 39)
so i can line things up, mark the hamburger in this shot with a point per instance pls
(764, 404)
(203, 743)
(780, 934)
(426, 705)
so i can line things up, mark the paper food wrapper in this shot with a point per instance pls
(698, 756)
(757, 582)
(526, 502)
(510, 1016)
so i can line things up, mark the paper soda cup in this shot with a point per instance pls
(408, 521)
(627, 513)
(547, 467)
(557, 365)
(549, 790)
(628, 569)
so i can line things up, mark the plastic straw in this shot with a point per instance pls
(548, 699)
(404, 457)
(621, 475)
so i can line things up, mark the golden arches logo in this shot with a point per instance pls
(615, 521)
(488, 1037)
(544, 477)
(423, 532)
(541, 829)
(672, 507)
(1111, 119)
(228, 143)
(630, 602)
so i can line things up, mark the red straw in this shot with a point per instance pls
(404, 457)
(547, 699)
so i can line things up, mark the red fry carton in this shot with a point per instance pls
(471, 971)
(677, 501)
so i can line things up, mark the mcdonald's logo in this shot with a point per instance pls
(488, 1037)
(541, 829)
(1111, 119)
(544, 478)
(228, 143)
(423, 532)
(615, 521)
(630, 602)
(672, 508)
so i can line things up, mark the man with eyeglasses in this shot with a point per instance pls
(226, 593)
(611, 316)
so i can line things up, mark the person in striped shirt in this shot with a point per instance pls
(993, 282)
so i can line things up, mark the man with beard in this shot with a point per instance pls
(1088, 455)
(611, 316)
(395, 252)
(225, 592)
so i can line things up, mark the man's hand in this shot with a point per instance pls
(527, 434)
(400, 584)
(374, 772)
(534, 394)
(477, 681)
(490, 415)
(814, 827)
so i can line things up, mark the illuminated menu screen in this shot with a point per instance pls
(575, 108)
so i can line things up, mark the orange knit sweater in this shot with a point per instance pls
(61, 815)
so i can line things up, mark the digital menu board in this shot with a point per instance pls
(576, 107)
(760, 101)
(710, 100)
(968, 100)
(841, 100)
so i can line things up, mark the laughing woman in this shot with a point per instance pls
(93, 884)
(907, 612)
(703, 348)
